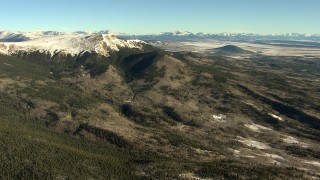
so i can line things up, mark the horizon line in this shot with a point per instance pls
(157, 33)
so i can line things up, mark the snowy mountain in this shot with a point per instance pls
(106, 41)
(187, 36)
(175, 33)
(8, 36)
(11, 36)
(52, 42)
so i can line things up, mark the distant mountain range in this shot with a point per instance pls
(187, 36)
(11, 36)
(105, 42)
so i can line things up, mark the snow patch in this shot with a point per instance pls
(315, 163)
(257, 127)
(276, 117)
(190, 176)
(253, 143)
(236, 152)
(219, 117)
(292, 140)
(201, 151)
(274, 156)
(249, 156)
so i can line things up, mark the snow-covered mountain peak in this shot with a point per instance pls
(182, 33)
(226, 36)
(51, 42)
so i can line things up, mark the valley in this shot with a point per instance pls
(268, 48)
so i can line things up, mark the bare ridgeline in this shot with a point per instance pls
(109, 106)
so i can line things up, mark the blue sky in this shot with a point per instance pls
(150, 16)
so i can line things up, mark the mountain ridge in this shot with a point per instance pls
(17, 36)
(185, 35)
(69, 43)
